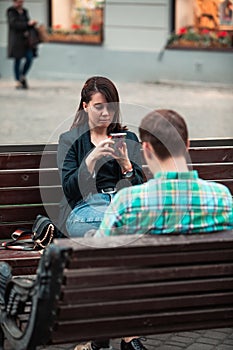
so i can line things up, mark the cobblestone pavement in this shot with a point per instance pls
(215, 339)
(41, 113)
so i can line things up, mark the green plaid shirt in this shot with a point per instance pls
(171, 202)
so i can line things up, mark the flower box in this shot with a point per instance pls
(75, 38)
(204, 39)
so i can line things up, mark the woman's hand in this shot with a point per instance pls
(103, 149)
(122, 158)
(32, 23)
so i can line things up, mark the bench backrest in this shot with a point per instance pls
(30, 184)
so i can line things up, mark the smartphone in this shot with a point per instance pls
(118, 138)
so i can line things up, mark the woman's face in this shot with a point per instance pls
(100, 113)
(18, 4)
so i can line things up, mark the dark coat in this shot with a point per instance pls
(17, 33)
(73, 147)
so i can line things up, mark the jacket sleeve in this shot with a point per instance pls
(134, 152)
(77, 181)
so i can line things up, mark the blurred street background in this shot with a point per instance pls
(47, 108)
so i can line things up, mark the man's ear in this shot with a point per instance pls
(188, 144)
(147, 150)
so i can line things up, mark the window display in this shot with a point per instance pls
(203, 24)
(78, 21)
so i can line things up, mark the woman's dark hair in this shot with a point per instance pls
(105, 87)
(166, 131)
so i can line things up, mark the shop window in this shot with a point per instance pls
(76, 21)
(202, 24)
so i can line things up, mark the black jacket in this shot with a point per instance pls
(17, 33)
(73, 148)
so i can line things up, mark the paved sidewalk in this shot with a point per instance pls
(40, 114)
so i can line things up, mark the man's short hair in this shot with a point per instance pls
(166, 131)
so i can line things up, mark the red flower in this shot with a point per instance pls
(182, 31)
(75, 26)
(205, 31)
(57, 26)
(222, 34)
(95, 27)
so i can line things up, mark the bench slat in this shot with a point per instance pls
(109, 293)
(7, 229)
(124, 307)
(150, 259)
(28, 160)
(30, 195)
(21, 262)
(48, 159)
(211, 154)
(147, 244)
(26, 213)
(32, 160)
(100, 277)
(144, 324)
(27, 178)
(214, 171)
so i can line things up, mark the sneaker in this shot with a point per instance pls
(134, 344)
(24, 83)
(88, 346)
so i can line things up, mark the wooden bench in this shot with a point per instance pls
(120, 286)
(194, 273)
(30, 185)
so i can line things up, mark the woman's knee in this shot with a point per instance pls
(78, 229)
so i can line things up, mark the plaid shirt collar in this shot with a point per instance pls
(175, 175)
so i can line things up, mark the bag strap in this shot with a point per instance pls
(48, 236)
(21, 240)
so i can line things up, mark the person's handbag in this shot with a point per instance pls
(40, 237)
(43, 231)
(33, 37)
(43, 35)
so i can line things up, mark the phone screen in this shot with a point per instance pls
(118, 138)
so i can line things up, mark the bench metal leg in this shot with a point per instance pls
(1, 339)
(5, 276)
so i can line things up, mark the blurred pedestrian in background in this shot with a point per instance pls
(19, 25)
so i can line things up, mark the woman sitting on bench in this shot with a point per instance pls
(91, 170)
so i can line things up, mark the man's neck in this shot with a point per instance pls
(175, 164)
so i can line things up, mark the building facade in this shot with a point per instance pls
(132, 46)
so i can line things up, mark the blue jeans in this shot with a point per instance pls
(88, 214)
(18, 72)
